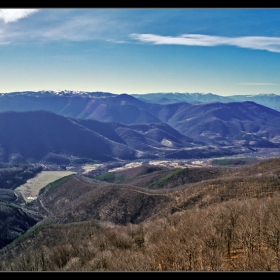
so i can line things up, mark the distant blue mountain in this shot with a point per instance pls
(123, 126)
(270, 100)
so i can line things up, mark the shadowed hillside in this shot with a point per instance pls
(246, 123)
(36, 136)
(32, 135)
(15, 217)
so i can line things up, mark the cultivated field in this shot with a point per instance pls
(31, 188)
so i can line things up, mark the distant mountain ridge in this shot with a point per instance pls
(43, 136)
(270, 100)
(119, 126)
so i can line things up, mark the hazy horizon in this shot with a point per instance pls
(135, 94)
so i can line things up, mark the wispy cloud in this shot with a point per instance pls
(11, 15)
(79, 28)
(271, 44)
(258, 84)
(61, 25)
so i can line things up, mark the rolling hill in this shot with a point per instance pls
(31, 136)
(225, 218)
(43, 136)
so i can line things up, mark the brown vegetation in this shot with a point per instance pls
(215, 219)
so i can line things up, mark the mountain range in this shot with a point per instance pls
(104, 127)
(270, 100)
(43, 136)
(126, 218)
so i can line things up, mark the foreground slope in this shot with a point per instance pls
(79, 199)
(216, 218)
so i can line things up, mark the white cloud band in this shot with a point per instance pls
(11, 15)
(271, 44)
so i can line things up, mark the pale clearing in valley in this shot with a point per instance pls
(31, 188)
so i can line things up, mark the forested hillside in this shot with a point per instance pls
(223, 218)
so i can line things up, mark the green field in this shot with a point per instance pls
(233, 161)
(32, 187)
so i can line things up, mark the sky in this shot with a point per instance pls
(224, 51)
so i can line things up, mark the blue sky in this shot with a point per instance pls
(141, 50)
